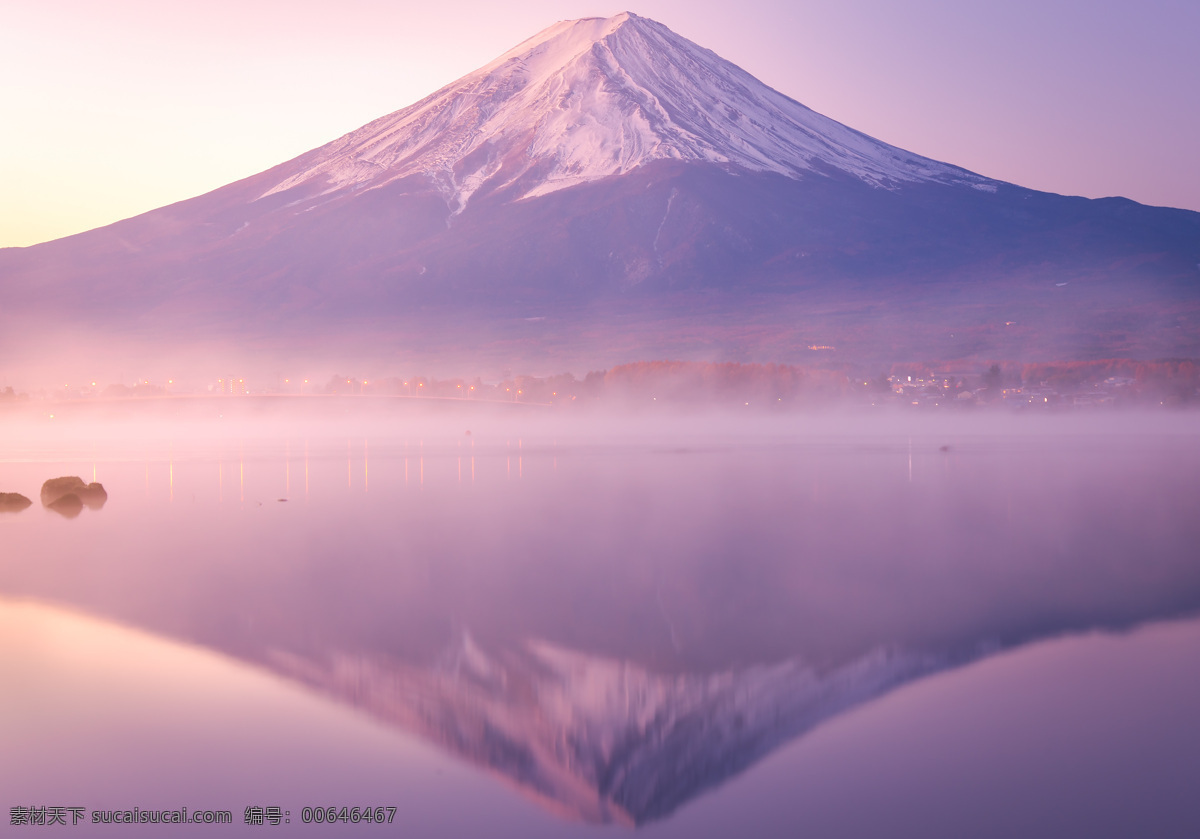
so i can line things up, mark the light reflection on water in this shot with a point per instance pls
(614, 627)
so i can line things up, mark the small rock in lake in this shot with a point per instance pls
(944, 449)
(67, 506)
(91, 495)
(13, 502)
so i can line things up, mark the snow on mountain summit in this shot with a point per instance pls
(587, 99)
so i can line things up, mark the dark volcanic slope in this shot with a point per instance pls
(420, 238)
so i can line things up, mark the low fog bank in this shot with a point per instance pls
(662, 406)
(695, 385)
(48, 429)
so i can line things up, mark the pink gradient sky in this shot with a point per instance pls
(110, 109)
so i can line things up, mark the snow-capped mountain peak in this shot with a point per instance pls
(587, 99)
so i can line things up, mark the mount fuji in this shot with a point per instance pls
(604, 192)
(591, 99)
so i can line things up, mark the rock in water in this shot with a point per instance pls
(93, 496)
(67, 506)
(13, 502)
(90, 495)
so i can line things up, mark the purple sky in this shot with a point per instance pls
(111, 109)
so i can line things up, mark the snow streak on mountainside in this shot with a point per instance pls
(587, 99)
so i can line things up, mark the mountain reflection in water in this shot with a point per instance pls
(600, 739)
(616, 627)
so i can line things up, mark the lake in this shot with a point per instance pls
(470, 622)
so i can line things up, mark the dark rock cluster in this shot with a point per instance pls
(68, 495)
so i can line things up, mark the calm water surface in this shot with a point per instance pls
(700, 628)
